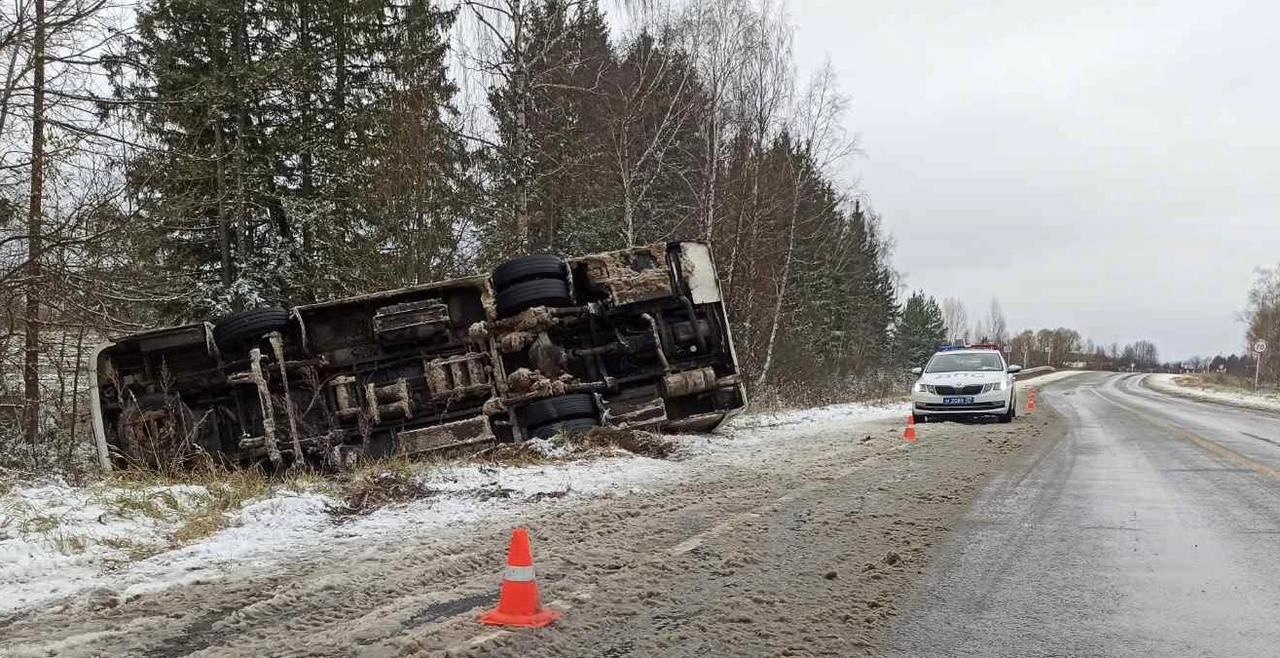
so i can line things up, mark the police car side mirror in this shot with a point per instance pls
(917, 371)
(1014, 369)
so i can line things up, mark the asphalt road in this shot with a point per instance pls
(1151, 528)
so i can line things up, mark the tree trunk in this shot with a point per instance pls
(242, 125)
(782, 284)
(713, 161)
(224, 227)
(31, 361)
(522, 122)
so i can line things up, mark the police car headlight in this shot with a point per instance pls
(1001, 385)
(919, 387)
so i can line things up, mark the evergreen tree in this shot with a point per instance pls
(545, 170)
(919, 330)
(296, 144)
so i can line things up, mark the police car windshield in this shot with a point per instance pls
(978, 362)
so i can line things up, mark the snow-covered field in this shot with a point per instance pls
(1180, 385)
(57, 540)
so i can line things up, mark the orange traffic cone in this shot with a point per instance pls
(1031, 401)
(519, 603)
(910, 433)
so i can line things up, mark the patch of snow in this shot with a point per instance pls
(287, 524)
(549, 447)
(1046, 378)
(1168, 383)
(820, 417)
(54, 537)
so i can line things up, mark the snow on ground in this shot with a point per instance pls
(52, 533)
(57, 540)
(1046, 378)
(1179, 385)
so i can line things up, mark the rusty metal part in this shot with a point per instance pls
(389, 401)
(441, 437)
(515, 341)
(344, 392)
(636, 413)
(264, 400)
(680, 384)
(401, 323)
(477, 333)
(277, 346)
(696, 423)
(657, 341)
(459, 376)
(525, 385)
(547, 357)
(524, 381)
(631, 275)
(533, 320)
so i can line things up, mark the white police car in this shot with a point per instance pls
(965, 381)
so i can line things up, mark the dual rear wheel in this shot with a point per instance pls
(523, 283)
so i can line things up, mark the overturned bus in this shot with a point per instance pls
(636, 338)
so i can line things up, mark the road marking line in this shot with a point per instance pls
(724, 526)
(1208, 445)
(715, 530)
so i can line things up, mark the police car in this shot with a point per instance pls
(965, 381)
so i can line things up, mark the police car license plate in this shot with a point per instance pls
(957, 401)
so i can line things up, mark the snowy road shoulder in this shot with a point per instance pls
(58, 540)
(1190, 387)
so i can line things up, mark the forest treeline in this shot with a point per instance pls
(177, 160)
(924, 324)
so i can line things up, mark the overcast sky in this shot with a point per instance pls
(1107, 167)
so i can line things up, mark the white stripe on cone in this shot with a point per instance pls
(519, 574)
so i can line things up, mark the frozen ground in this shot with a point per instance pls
(58, 540)
(791, 534)
(1191, 387)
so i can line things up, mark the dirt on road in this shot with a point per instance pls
(805, 548)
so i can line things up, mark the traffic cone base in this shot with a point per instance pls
(536, 620)
(519, 603)
(910, 433)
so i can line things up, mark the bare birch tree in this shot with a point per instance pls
(956, 318)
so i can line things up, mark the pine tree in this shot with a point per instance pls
(919, 330)
(297, 144)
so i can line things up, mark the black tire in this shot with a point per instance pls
(528, 294)
(573, 426)
(527, 268)
(239, 328)
(553, 410)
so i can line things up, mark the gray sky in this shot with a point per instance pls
(1109, 167)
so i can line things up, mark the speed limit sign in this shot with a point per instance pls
(1260, 346)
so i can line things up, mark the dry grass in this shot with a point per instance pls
(1218, 381)
(636, 442)
(225, 494)
(513, 454)
(380, 484)
(199, 515)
